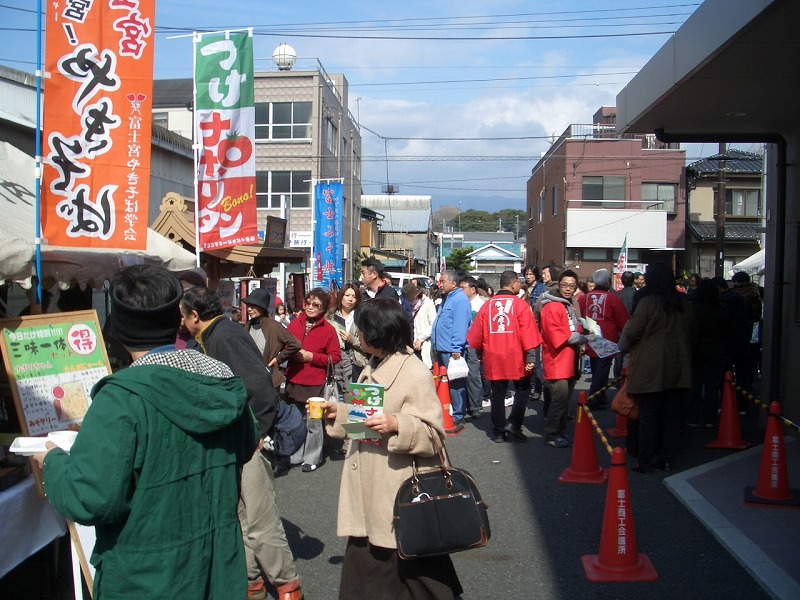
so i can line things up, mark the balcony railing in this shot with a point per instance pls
(607, 132)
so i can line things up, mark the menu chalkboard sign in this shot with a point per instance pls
(52, 363)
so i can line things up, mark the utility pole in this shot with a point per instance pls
(719, 262)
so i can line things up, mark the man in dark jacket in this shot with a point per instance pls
(266, 548)
(628, 291)
(376, 286)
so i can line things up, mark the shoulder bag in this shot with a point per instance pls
(623, 403)
(289, 429)
(439, 511)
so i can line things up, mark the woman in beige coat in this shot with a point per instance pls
(410, 425)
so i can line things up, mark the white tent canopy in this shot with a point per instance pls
(63, 265)
(752, 264)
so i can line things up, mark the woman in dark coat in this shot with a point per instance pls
(659, 337)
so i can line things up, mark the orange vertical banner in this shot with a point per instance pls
(97, 123)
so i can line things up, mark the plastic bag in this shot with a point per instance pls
(457, 368)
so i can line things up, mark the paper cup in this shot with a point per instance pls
(315, 407)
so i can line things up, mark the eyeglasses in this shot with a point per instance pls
(316, 305)
(568, 286)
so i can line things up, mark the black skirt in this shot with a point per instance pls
(375, 573)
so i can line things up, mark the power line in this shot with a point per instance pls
(537, 14)
(446, 81)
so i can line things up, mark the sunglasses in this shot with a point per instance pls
(316, 305)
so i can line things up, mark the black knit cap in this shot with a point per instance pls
(145, 328)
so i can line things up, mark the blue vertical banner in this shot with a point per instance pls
(327, 234)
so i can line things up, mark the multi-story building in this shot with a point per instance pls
(738, 173)
(304, 133)
(594, 187)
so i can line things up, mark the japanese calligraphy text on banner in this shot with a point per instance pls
(97, 123)
(225, 130)
(328, 234)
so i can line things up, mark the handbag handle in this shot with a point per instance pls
(329, 371)
(444, 463)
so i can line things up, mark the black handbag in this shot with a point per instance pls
(439, 511)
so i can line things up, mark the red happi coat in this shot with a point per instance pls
(607, 310)
(504, 330)
(559, 357)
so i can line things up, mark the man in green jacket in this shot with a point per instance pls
(157, 463)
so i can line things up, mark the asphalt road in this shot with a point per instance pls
(540, 527)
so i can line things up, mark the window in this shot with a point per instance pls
(356, 165)
(330, 136)
(279, 121)
(596, 190)
(596, 254)
(161, 118)
(540, 208)
(742, 203)
(659, 196)
(294, 185)
(555, 201)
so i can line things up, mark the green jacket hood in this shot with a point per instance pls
(195, 402)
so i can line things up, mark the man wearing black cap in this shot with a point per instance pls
(156, 465)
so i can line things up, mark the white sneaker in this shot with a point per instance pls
(509, 401)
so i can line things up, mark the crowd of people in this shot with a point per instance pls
(181, 498)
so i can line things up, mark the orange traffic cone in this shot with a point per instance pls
(443, 392)
(618, 559)
(584, 467)
(773, 481)
(729, 436)
(620, 428)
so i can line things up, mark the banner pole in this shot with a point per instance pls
(38, 161)
(312, 256)
(196, 146)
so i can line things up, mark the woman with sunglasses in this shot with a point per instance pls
(308, 369)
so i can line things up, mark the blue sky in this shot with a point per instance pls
(490, 81)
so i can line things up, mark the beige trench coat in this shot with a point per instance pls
(372, 473)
